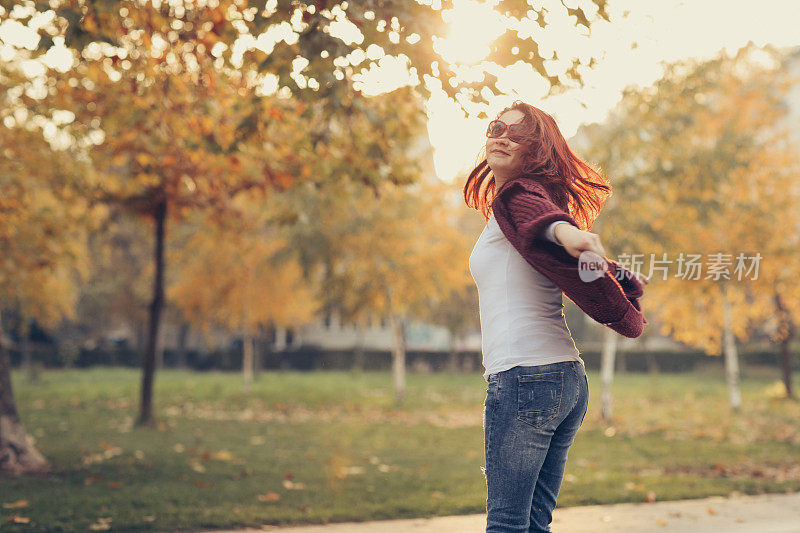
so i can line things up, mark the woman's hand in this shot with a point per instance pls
(576, 241)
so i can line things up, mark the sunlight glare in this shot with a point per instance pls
(473, 26)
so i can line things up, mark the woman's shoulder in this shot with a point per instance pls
(522, 185)
(524, 200)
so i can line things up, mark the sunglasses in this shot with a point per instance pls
(498, 127)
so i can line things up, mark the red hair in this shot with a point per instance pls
(573, 185)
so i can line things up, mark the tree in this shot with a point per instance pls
(394, 256)
(706, 170)
(44, 222)
(172, 127)
(456, 312)
(238, 273)
(170, 132)
(330, 38)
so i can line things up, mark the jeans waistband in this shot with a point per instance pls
(547, 367)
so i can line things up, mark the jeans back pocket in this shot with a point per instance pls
(539, 397)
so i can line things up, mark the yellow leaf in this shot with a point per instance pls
(144, 159)
(222, 455)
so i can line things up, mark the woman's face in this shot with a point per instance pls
(503, 154)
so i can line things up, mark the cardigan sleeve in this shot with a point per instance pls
(532, 215)
(524, 214)
(632, 287)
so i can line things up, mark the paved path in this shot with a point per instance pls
(771, 513)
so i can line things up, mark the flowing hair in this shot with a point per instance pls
(572, 184)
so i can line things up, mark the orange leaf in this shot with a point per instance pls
(15, 505)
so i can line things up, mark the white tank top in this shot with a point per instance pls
(521, 311)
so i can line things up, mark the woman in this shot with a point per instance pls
(541, 199)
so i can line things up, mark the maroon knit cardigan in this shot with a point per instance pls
(523, 209)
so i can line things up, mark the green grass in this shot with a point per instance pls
(334, 446)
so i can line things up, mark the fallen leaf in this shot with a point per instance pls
(16, 505)
(102, 524)
(222, 455)
(269, 497)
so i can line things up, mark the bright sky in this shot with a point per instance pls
(663, 30)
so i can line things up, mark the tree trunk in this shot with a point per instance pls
(17, 453)
(786, 367)
(264, 349)
(247, 361)
(452, 361)
(731, 354)
(398, 357)
(149, 363)
(27, 353)
(652, 364)
(359, 353)
(610, 341)
(280, 339)
(180, 352)
(25, 337)
(786, 331)
(159, 350)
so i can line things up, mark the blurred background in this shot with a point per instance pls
(234, 283)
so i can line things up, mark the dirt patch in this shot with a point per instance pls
(749, 470)
(359, 415)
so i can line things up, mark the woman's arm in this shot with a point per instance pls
(524, 214)
(576, 241)
(550, 232)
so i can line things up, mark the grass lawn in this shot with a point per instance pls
(333, 446)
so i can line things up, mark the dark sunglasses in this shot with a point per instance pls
(498, 127)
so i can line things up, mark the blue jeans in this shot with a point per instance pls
(531, 416)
